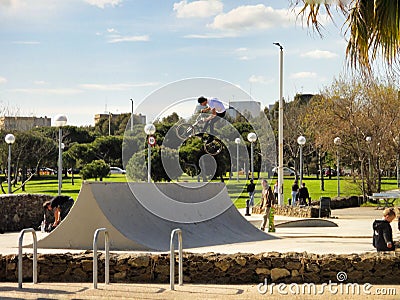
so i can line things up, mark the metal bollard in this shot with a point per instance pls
(247, 208)
(107, 260)
(172, 259)
(21, 237)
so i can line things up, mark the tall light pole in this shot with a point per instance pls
(368, 139)
(60, 121)
(10, 139)
(132, 113)
(280, 129)
(396, 140)
(252, 137)
(337, 142)
(149, 129)
(301, 140)
(109, 123)
(237, 142)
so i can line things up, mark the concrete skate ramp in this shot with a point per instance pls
(133, 227)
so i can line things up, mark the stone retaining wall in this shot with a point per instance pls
(211, 268)
(313, 210)
(295, 211)
(21, 211)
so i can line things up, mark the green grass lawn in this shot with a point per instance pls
(237, 189)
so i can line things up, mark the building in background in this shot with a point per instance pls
(245, 107)
(138, 118)
(23, 123)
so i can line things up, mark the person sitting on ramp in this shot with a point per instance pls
(60, 205)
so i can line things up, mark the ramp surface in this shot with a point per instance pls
(135, 224)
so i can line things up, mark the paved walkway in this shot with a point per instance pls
(353, 235)
(185, 292)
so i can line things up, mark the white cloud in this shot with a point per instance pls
(104, 3)
(198, 9)
(303, 75)
(241, 49)
(111, 30)
(259, 79)
(211, 36)
(40, 82)
(3, 80)
(43, 9)
(134, 38)
(318, 54)
(115, 86)
(26, 42)
(55, 91)
(244, 57)
(252, 17)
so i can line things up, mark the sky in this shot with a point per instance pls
(84, 57)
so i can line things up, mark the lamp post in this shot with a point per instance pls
(109, 123)
(149, 129)
(60, 121)
(396, 140)
(252, 137)
(10, 139)
(337, 142)
(237, 142)
(132, 114)
(280, 127)
(368, 139)
(301, 140)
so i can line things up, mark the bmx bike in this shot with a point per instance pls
(186, 130)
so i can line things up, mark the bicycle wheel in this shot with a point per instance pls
(185, 131)
(214, 147)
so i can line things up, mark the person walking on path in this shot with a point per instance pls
(303, 195)
(383, 236)
(251, 190)
(267, 201)
(295, 189)
(276, 191)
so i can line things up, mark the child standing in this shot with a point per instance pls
(383, 237)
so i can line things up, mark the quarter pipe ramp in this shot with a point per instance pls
(141, 216)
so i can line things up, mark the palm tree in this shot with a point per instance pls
(372, 27)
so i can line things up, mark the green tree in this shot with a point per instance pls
(109, 149)
(372, 27)
(95, 169)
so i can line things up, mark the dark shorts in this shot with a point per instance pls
(221, 115)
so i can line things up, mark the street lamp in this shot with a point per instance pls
(337, 142)
(132, 114)
(60, 121)
(237, 142)
(252, 137)
(109, 123)
(301, 140)
(149, 129)
(396, 140)
(10, 139)
(368, 139)
(280, 127)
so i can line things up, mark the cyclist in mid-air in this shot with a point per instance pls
(217, 109)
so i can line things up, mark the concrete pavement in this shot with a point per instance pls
(353, 235)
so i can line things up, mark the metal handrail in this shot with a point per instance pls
(21, 237)
(172, 259)
(107, 260)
